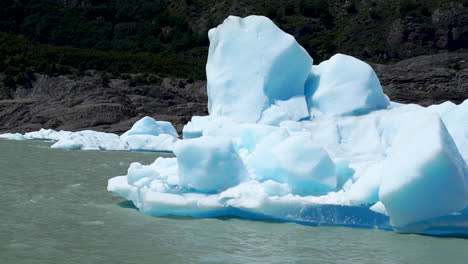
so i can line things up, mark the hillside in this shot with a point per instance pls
(126, 58)
(153, 36)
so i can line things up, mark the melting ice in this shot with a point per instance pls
(146, 134)
(315, 144)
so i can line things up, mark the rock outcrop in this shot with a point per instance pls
(73, 103)
(426, 80)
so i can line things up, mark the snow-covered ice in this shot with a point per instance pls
(149, 126)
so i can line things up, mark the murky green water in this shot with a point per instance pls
(55, 209)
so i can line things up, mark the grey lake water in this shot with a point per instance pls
(55, 209)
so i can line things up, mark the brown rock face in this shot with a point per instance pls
(445, 29)
(426, 80)
(74, 103)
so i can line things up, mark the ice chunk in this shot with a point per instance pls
(344, 85)
(424, 175)
(379, 207)
(146, 134)
(193, 204)
(162, 142)
(119, 185)
(194, 128)
(47, 134)
(149, 126)
(455, 117)
(13, 136)
(136, 172)
(90, 140)
(208, 164)
(293, 109)
(307, 168)
(294, 160)
(365, 190)
(252, 64)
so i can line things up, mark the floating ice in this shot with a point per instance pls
(162, 142)
(455, 117)
(47, 134)
(13, 136)
(149, 134)
(329, 149)
(146, 134)
(90, 140)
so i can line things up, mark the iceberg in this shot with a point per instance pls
(149, 126)
(311, 144)
(47, 134)
(146, 134)
(89, 140)
(13, 136)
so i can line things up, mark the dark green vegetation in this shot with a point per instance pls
(21, 57)
(168, 37)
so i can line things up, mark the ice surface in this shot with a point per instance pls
(350, 158)
(344, 85)
(293, 109)
(149, 126)
(455, 118)
(424, 175)
(13, 136)
(208, 164)
(305, 167)
(47, 134)
(162, 142)
(90, 140)
(251, 65)
(146, 134)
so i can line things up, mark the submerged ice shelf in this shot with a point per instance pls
(146, 134)
(313, 144)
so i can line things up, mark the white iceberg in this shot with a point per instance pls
(89, 140)
(146, 134)
(13, 136)
(149, 126)
(311, 144)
